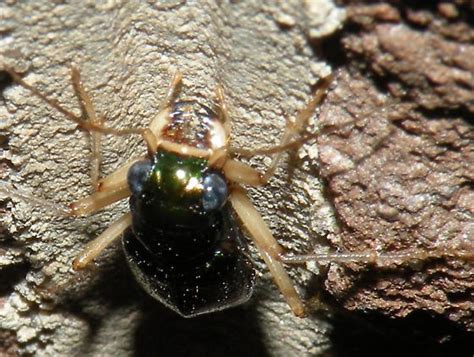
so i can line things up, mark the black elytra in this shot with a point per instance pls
(185, 247)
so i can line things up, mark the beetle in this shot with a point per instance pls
(180, 238)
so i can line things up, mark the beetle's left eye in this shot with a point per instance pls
(137, 175)
(215, 191)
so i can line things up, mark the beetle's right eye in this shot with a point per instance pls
(215, 191)
(137, 175)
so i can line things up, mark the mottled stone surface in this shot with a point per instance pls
(127, 53)
(396, 163)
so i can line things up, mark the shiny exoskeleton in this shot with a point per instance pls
(184, 246)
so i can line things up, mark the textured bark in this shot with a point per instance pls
(400, 164)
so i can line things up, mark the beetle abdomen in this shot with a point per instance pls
(198, 282)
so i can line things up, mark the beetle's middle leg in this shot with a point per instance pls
(97, 246)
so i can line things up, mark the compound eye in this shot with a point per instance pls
(137, 175)
(215, 192)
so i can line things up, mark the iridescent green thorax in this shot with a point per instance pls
(176, 178)
(174, 188)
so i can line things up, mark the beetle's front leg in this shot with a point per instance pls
(292, 137)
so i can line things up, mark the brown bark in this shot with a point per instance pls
(400, 166)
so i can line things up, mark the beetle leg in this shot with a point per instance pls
(240, 172)
(292, 137)
(101, 199)
(87, 108)
(409, 255)
(95, 247)
(294, 127)
(81, 123)
(268, 247)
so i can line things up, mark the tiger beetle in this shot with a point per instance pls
(181, 238)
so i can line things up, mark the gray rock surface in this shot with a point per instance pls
(127, 52)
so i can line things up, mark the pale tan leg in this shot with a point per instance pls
(98, 200)
(95, 247)
(295, 126)
(242, 173)
(88, 109)
(292, 137)
(268, 247)
(406, 256)
(222, 110)
(82, 124)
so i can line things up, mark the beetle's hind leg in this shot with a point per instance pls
(385, 259)
(268, 247)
